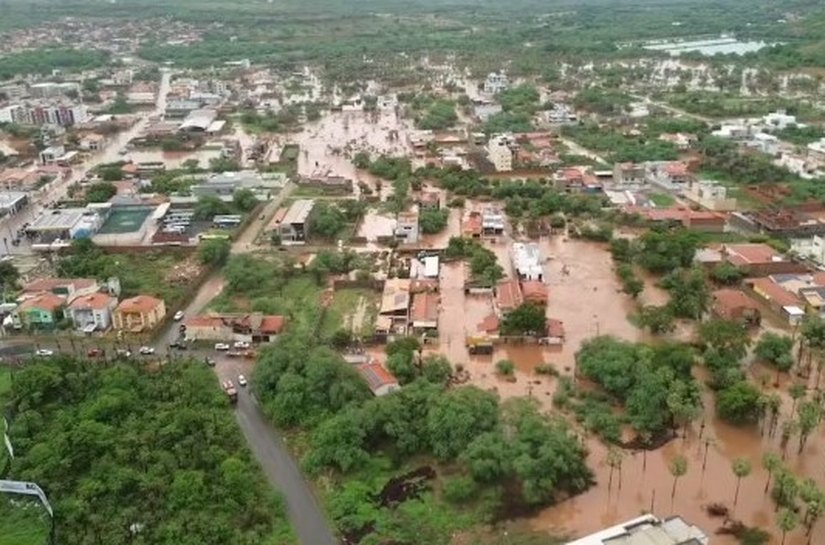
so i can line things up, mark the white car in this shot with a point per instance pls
(241, 345)
(241, 380)
(44, 353)
(222, 346)
(178, 316)
(147, 350)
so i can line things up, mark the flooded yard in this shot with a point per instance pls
(173, 159)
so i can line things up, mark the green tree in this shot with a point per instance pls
(526, 319)
(111, 173)
(326, 220)
(770, 463)
(726, 336)
(786, 522)
(810, 415)
(727, 273)
(678, 467)
(741, 468)
(433, 221)
(244, 199)
(100, 192)
(209, 206)
(338, 442)
(659, 320)
(488, 457)
(775, 349)
(457, 417)
(9, 275)
(739, 404)
(505, 367)
(214, 251)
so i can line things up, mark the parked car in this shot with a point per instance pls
(147, 350)
(241, 380)
(44, 353)
(178, 316)
(210, 362)
(241, 345)
(94, 352)
(123, 352)
(221, 346)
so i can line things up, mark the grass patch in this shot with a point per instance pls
(308, 191)
(22, 522)
(149, 273)
(345, 308)
(661, 199)
(255, 284)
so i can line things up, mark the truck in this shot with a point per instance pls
(231, 392)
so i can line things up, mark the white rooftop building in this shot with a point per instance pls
(647, 530)
(780, 120)
(527, 261)
(500, 152)
(495, 83)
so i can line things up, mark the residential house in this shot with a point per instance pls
(429, 200)
(710, 194)
(92, 142)
(394, 313)
(291, 224)
(629, 174)
(492, 221)
(754, 259)
(92, 312)
(779, 120)
(555, 333)
(735, 305)
(508, 296)
(406, 227)
(764, 143)
(471, 225)
(500, 152)
(647, 529)
(139, 314)
(255, 327)
(424, 312)
(696, 220)
(535, 292)
(577, 180)
(682, 141)
(40, 311)
(496, 82)
(51, 154)
(676, 172)
(526, 259)
(380, 381)
(67, 288)
(777, 292)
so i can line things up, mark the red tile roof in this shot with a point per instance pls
(676, 168)
(472, 224)
(42, 301)
(750, 254)
(727, 302)
(771, 291)
(555, 328)
(508, 295)
(94, 301)
(49, 284)
(376, 375)
(534, 291)
(424, 307)
(272, 324)
(489, 324)
(140, 304)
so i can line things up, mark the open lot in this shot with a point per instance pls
(352, 309)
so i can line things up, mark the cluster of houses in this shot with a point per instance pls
(85, 305)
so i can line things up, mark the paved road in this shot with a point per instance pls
(267, 445)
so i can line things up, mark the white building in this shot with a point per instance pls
(406, 227)
(496, 82)
(647, 530)
(733, 131)
(710, 194)
(810, 248)
(780, 120)
(527, 261)
(51, 154)
(500, 152)
(816, 151)
(764, 142)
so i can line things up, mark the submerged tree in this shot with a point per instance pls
(678, 468)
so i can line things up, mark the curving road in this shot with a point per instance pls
(306, 516)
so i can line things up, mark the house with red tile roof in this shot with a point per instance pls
(254, 327)
(734, 304)
(68, 288)
(92, 312)
(754, 259)
(139, 314)
(424, 312)
(508, 296)
(380, 381)
(40, 311)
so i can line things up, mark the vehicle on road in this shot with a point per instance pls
(123, 352)
(242, 380)
(230, 390)
(94, 352)
(235, 354)
(178, 316)
(221, 347)
(44, 353)
(241, 345)
(210, 362)
(146, 350)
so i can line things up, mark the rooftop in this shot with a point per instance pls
(94, 301)
(139, 304)
(60, 219)
(508, 295)
(298, 212)
(50, 284)
(527, 259)
(750, 254)
(396, 296)
(647, 530)
(42, 301)
(376, 375)
(425, 307)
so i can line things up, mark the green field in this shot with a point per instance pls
(352, 309)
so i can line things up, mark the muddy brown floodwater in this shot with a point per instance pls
(589, 301)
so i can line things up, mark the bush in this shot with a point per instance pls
(505, 367)
(459, 489)
(547, 369)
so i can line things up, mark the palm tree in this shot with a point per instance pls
(810, 414)
(741, 468)
(614, 460)
(771, 463)
(786, 522)
(796, 391)
(678, 467)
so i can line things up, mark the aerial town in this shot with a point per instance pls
(290, 274)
